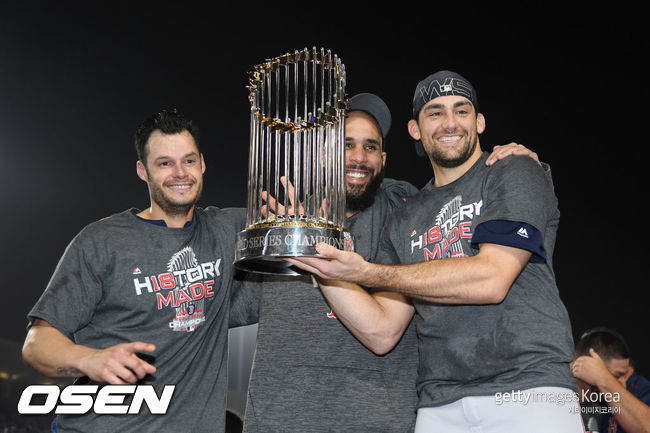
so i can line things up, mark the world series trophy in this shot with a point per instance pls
(296, 178)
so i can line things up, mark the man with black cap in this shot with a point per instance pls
(474, 249)
(605, 376)
(309, 373)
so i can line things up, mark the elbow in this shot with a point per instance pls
(30, 358)
(498, 296)
(380, 348)
(495, 292)
(33, 348)
(381, 344)
(28, 351)
(498, 267)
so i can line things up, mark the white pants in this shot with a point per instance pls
(535, 410)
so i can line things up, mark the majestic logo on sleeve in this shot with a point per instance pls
(184, 287)
(523, 232)
(452, 224)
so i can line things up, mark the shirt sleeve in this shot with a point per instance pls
(640, 387)
(398, 191)
(74, 289)
(245, 299)
(547, 171)
(386, 251)
(517, 189)
(246, 287)
(514, 234)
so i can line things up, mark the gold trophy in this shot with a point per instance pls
(296, 172)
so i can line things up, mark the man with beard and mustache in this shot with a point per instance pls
(143, 296)
(309, 373)
(474, 264)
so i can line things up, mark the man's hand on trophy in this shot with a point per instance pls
(333, 264)
(274, 208)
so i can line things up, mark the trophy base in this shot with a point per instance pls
(263, 249)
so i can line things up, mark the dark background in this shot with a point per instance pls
(76, 79)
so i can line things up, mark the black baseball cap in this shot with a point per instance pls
(442, 83)
(375, 107)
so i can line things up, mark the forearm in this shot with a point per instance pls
(629, 412)
(481, 279)
(484, 278)
(378, 320)
(436, 281)
(53, 354)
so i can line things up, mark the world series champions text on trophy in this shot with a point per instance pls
(296, 179)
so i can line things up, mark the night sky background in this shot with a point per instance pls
(77, 78)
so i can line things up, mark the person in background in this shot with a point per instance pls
(605, 376)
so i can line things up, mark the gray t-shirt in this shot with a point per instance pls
(310, 374)
(124, 279)
(468, 350)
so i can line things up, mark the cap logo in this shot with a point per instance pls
(452, 86)
(442, 83)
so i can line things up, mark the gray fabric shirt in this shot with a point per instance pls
(123, 279)
(310, 374)
(523, 342)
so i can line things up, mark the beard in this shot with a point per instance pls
(174, 207)
(450, 161)
(358, 198)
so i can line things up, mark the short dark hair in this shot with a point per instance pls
(168, 122)
(608, 345)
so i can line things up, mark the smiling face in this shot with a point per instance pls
(174, 173)
(448, 127)
(364, 160)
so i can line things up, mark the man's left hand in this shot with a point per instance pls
(590, 368)
(502, 151)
